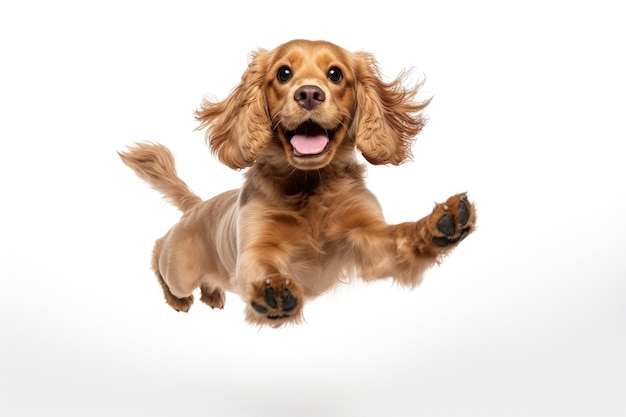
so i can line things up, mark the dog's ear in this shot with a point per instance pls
(238, 127)
(387, 117)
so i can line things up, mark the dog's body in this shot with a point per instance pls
(304, 218)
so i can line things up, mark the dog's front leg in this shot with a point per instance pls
(404, 251)
(266, 245)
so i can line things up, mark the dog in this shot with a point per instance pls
(304, 220)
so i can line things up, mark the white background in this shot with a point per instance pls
(527, 317)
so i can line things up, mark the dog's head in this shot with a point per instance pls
(314, 100)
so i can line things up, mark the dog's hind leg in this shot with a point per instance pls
(212, 295)
(178, 304)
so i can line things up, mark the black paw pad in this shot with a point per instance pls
(258, 308)
(275, 303)
(288, 300)
(439, 241)
(270, 298)
(463, 213)
(449, 225)
(446, 225)
(442, 242)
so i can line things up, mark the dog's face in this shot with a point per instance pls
(314, 101)
(310, 93)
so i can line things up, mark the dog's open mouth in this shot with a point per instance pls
(309, 139)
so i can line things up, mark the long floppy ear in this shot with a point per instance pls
(387, 117)
(238, 128)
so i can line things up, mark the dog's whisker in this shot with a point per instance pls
(275, 120)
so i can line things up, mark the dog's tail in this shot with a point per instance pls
(154, 164)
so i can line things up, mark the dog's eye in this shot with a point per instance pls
(284, 74)
(335, 75)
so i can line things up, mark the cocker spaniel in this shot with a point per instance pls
(304, 218)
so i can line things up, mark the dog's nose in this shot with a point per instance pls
(309, 96)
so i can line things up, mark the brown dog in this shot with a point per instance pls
(304, 218)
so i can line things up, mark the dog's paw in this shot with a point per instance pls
(274, 302)
(180, 304)
(212, 296)
(454, 220)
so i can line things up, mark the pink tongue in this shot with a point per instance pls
(309, 145)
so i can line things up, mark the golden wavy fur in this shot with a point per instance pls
(303, 219)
